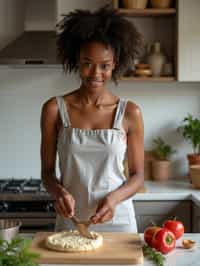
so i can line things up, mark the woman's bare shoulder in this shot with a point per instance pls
(50, 106)
(132, 111)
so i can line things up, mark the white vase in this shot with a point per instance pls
(156, 59)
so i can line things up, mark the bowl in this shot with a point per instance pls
(195, 175)
(9, 229)
(143, 72)
(142, 66)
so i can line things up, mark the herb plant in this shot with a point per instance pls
(162, 150)
(16, 253)
(154, 255)
(190, 130)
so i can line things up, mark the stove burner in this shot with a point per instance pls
(21, 185)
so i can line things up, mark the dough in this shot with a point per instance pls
(72, 241)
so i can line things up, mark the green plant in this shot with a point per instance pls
(153, 255)
(162, 150)
(190, 130)
(16, 253)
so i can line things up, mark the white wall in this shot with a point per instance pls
(23, 91)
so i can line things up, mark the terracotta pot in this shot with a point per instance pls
(195, 175)
(193, 159)
(135, 3)
(161, 170)
(161, 3)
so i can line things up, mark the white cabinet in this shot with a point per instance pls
(189, 40)
(159, 211)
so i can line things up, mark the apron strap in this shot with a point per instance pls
(119, 114)
(63, 111)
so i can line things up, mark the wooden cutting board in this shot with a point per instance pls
(118, 248)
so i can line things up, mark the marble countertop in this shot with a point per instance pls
(177, 189)
(177, 257)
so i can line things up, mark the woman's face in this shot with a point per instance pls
(96, 65)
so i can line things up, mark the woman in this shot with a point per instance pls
(91, 128)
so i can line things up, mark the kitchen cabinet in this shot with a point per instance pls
(195, 218)
(188, 40)
(155, 25)
(158, 211)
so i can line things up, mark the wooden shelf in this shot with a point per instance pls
(147, 12)
(149, 79)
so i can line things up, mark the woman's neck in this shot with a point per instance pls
(92, 97)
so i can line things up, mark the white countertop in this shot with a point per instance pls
(177, 257)
(177, 189)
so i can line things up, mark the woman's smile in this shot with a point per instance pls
(95, 82)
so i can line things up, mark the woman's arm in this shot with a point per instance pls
(135, 144)
(135, 148)
(64, 202)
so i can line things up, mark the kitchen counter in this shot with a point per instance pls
(176, 189)
(177, 257)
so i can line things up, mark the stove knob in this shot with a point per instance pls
(50, 207)
(3, 206)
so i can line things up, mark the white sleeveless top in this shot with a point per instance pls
(91, 165)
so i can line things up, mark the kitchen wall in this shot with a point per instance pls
(24, 90)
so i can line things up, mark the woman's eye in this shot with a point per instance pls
(87, 64)
(105, 66)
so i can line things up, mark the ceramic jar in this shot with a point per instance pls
(156, 59)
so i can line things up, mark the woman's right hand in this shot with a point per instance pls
(64, 203)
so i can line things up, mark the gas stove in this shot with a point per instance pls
(12, 185)
(28, 201)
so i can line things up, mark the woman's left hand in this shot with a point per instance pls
(105, 210)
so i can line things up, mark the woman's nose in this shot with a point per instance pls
(96, 70)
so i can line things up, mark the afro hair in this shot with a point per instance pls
(104, 25)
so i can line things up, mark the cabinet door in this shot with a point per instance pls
(64, 6)
(189, 40)
(196, 219)
(159, 211)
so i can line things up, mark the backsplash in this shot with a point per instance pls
(24, 90)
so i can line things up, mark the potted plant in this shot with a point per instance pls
(161, 165)
(190, 130)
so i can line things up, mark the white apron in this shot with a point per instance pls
(91, 166)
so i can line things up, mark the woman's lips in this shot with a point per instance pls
(94, 82)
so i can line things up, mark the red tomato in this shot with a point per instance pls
(149, 233)
(175, 227)
(164, 240)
